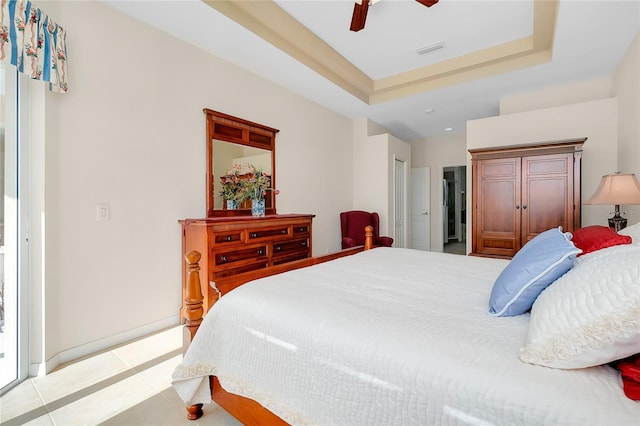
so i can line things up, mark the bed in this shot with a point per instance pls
(394, 336)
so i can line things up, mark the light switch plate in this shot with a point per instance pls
(102, 211)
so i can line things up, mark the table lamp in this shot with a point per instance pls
(618, 188)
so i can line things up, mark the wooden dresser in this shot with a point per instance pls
(233, 245)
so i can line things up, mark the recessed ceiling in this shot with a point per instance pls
(341, 60)
(491, 49)
(395, 29)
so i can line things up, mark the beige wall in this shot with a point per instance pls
(370, 182)
(374, 155)
(582, 91)
(626, 87)
(131, 133)
(595, 120)
(438, 153)
(401, 151)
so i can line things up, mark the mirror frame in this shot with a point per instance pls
(228, 128)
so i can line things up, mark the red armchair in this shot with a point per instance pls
(352, 224)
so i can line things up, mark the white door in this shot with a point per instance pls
(420, 209)
(399, 236)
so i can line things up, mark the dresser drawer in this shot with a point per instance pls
(224, 258)
(220, 239)
(285, 246)
(254, 235)
(289, 257)
(226, 272)
(290, 250)
(301, 230)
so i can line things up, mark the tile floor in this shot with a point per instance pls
(127, 385)
(455, 247)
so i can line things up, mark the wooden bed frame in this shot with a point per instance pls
(246, 410)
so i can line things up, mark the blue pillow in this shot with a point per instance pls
(540, 262)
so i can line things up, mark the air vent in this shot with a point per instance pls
(430, 48)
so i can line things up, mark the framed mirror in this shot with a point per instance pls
(236, 148)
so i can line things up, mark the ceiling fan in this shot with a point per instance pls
(362, 7)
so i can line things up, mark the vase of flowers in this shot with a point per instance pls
(232, 191)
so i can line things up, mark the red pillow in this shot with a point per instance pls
(630, 373)
(596, 237)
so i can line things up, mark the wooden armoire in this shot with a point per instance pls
(520, 191)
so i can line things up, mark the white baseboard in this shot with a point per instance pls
(43, 368)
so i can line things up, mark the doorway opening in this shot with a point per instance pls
(454, 205)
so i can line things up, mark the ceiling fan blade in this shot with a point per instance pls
(427, 3)
(359, 15)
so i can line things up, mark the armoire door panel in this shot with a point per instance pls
(498, 225)
(504, 197)
(547, 194)
(546, 207)
(503, 245)
(546, 165)
(499, 168)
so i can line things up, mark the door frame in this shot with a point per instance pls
(460, 205)
(17, 110)
(400, 202)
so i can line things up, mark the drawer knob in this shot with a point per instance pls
(278, 248)
(303, 244)
(223, 258)
(284, 231)
(254, 235)
(228, 238)
(260, 252)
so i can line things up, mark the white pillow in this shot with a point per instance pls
(590, 315)
(632, 231)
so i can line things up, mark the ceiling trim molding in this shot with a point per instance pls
(270, 22)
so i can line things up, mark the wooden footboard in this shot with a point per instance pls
(246, 410)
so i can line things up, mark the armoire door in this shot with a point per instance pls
(547, 194)
(496, 212)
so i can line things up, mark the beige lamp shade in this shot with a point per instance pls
(619, 188)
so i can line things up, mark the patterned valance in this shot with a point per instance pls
(34, 43)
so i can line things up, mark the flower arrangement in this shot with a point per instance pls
(233, 185)
(239, 187)
(256, 184)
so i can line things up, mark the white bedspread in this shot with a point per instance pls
(389, 337)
